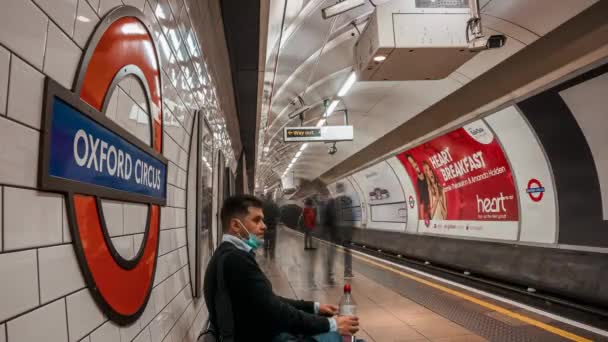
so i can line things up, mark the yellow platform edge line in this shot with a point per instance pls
(507, 312)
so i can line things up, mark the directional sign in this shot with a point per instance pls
(323, 133)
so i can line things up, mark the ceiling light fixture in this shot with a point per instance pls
(298, 154)
(330, 109)
(321, 123)
(303, 147)
(341, 7)
(380, 58)
(348, 84)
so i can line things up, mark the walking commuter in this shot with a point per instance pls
(271, 219)
(331, 227)
(309, 217)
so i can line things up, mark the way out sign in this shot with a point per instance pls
(324, 133)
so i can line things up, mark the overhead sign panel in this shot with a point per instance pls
(324, 133)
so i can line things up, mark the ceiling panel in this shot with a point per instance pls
(537, 16)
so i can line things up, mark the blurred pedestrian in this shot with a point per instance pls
(271, 219)
(309, 218)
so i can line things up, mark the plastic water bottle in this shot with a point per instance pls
(348, 307)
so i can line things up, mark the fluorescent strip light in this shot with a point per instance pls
(303, 147)
(348, 84)
(331, 108)
(321, 123)
(298, 154)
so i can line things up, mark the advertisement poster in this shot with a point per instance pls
(384, 197)
(464, 185)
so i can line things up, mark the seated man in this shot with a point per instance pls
(259, 314)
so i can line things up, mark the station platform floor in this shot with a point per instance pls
(396, 305)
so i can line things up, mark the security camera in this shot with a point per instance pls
(341, 7)
(496, 41)
(492, 42)
(332, 149)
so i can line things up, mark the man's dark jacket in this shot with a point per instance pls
(258, 313)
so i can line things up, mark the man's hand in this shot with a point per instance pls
(328, 310)
(347, 325)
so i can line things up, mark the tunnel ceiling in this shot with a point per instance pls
(242, 30)
(298, 35)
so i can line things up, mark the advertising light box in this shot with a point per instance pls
(464, 184)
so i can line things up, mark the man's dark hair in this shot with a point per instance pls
(238, 205)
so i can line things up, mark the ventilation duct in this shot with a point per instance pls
(414, 40)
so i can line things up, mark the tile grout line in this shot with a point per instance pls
(8, 81)
(75, 21)
(2, 218)
(24, 249)
(122, 209)
(46, 37)
(64, 205)
(67, 321)
(21, 123)
(105, 320)
(38, 274)
(12, 318)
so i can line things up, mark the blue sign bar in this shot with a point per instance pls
(85, 152)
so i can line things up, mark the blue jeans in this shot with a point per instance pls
(326, 337)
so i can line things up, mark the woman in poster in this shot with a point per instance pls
(438, 203)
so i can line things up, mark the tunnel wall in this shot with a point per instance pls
(533, 212)
(43, 294)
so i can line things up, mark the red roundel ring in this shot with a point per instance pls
(122, 45)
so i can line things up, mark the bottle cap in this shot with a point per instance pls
(346, 288)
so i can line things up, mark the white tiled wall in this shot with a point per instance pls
(19, 283)
(31, 218)
(107, 332)
(59, 272)
(46, 323)
(43, 296)
(25, 93)
(83, 314)
(62, 55)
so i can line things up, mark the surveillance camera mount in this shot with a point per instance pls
(300, 111)
(326, 103)
(474, 29)
(332, 149)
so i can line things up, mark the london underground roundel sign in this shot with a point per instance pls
(89, 158)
